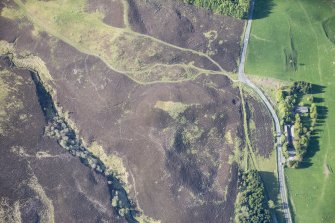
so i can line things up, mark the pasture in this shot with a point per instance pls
(296, 42)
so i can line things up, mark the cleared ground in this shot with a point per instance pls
(292, 43)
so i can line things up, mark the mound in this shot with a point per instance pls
(328, 27)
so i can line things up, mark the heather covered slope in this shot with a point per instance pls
(41, 182)
(147, 113)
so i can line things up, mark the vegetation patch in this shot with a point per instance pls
(251, 204)
(291, 56)
(290, 105)
(228, 137)
(9, 213)
(9, 103)
(114, 164)
(28, 61)
(66, 137)
(47, 214)
(238, 9)
(120, 48)
(174, 109)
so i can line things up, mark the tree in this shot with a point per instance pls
(282, 138)
(293, 164)
(310, 98)
(313, 111)
(271, 204)
(251, 205)
(285, 150)
(297, 126)
(280, 95)
(302, 87)
(303, 141)
(297, 146)
(234, 8)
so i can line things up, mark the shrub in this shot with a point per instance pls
(238, 9)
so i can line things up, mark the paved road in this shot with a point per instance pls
(243, 78)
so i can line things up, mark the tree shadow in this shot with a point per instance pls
(312, 149)
(44, 98)
(314, 144)
(322, 112)
(318, 100)
(271, 186)
(263, 9)
(317, 89)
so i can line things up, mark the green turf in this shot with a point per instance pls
(297, 27)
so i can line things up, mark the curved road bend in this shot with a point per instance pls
(243, 78)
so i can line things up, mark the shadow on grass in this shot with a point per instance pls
(263, 9)
(322, 111)
(314, 145)
(318, 100)
(317, 89)
(271, 186)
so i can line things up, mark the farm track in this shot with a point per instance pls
(244, 79)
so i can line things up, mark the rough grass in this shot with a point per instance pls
(9, 103)
(27, 61)
(120, 48)
(9, 213)
(174, 109)
(267, 168)
(228, 137)
(145, 219)
(113, 163)
(47, 213)
(268, 85)
(311, 191)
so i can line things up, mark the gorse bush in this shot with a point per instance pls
(235, 8)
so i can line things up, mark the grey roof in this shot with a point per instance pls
(301, 109)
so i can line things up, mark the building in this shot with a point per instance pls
(289, 132)
(301, 110)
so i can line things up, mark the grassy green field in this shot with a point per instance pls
(294, 42)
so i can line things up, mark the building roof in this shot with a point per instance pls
(301, 109)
